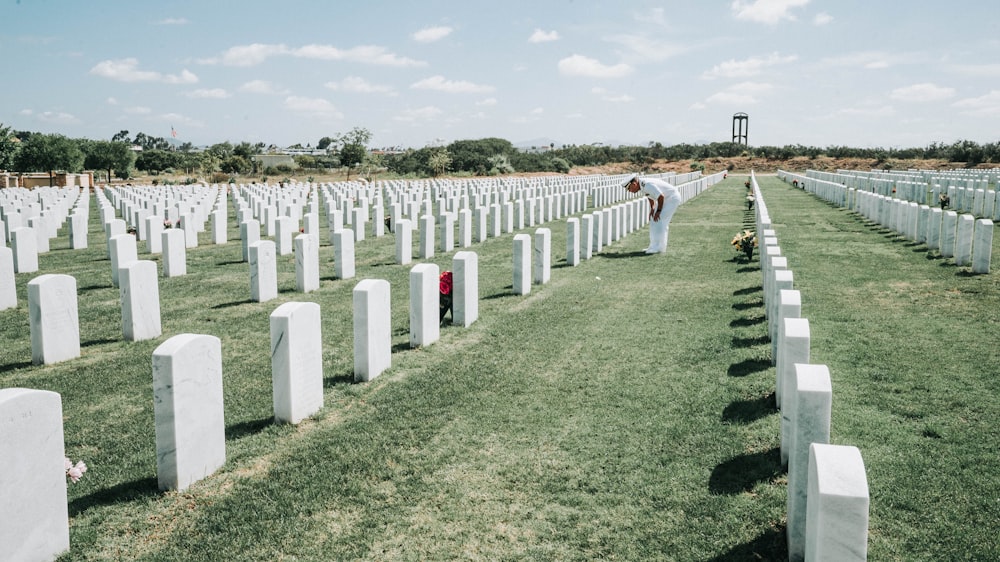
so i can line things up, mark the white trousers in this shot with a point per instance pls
(659, 230)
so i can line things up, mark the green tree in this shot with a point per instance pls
(235, 165)
(439, 162)
(325, 142)
(121, 136)
(473, 155)
(157, 161)
(48, 153)
(109, 155)
(353, 146)
(9, 147)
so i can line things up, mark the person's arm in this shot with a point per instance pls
(659, 207)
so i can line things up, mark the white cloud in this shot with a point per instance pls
(744, 93)
(358, 85)
(822, 18)
(262, 87)
(640, 47)
(980, 70)
(607, 96)
(57, 117)
(111, 101)
(765, 11)
(540, 36)
(431, 34)
(487, 102)
(748, 67)
(426, 113)
(250, 55)
(983, 106)
(440, 84)
(922, 92)
(126, 70)
(173, 21)
(537, 111)
(579, 65)
(366, 54)
(26, 112)
(871, 60)
(212, 93)
(317, 107)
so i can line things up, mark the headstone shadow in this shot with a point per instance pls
(231, 304)
(750, 342)
(92, 343)
(748, 367)
(746, 322)
(243, 429)
(770, 545)
(501, 295)
(747, 305)
(743, 412)
(334, 380)
(747, 291)
(124, 492)
(742, 472)
(615, 256)
(748, 269)
(15, 366)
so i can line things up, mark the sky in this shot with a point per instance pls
(859, 73)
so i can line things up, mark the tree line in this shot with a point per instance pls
(123, 155)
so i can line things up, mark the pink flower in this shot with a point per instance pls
(75, 472)
(446, 283)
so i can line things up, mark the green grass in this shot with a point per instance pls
(622, 411)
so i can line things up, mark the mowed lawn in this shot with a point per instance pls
(623, 411)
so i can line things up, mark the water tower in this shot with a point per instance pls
(741, 125)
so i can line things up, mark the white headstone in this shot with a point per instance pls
(77, 231)
(372, 329)
(836, 505)
(53, 318)
(8, 287)
(465, 288)
(404, 242)
(343, 253)
(219, 226)
(542, 256)
(963, 240)
(982, 248)
(425, 326)
(24, 244)
(123, 252)
(573, 241)
(522, 264)
(425, 248)
(249, 234)
(154, 234)
(140, 296)
(283, 236)
(306, 263)
(809, 407)
(33, 507)
(174, 245)
(188, 408)
(296, 361)
(263, 271)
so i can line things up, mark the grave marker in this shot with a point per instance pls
(296, 361)
(140, 297)
(465, 288)
(53, 319)
(372, 329)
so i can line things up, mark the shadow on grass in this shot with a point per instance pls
(243, 429)
(750, 342)
(748, 367)
(341, 379)
(741, 473)
(747, 291)
(92, 343)
(231, 304)
(15, 366)
(748, 305)
(748, 269)
(124, 492)
(94, 288)
(770, 545)
(502, 295)
(231, 262)
(616, 256)
(745, 322)
(745, 411)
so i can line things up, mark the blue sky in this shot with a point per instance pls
(860, 73)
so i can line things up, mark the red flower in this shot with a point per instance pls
(446, 283)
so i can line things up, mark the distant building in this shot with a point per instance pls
(43, 179)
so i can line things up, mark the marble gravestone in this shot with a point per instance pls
(123, 252)
(425, 323)
(263, 271)
(522, 264)
(465, 288)
(372, 329)
(140, 296)
(343, 254)
(296, 361)
(8, 287)
(53, 318)
(174, 245)
(306, 263)
(837, 504)
(188, 408)
(542, 256)
(35, 520)
(24, 244)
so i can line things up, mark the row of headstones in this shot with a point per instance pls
(187, 372)
(979, 201)
(828, 496)
(963, 237)
(973, 179)
(30, 239)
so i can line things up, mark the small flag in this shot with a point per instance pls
(173, 132)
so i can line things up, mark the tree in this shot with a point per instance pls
(47, 153)
(9, 147)
(353, 147)
(121, 136)
(109, 155)
(439, 161)
(324, 143)
(157, 161)
(235, 165)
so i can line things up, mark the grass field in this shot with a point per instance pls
(623, 411)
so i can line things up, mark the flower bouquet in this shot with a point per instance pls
(75, 471)
(745, 242)
(444, 303)
(944, 200)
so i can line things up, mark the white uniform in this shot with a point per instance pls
(652, 188)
